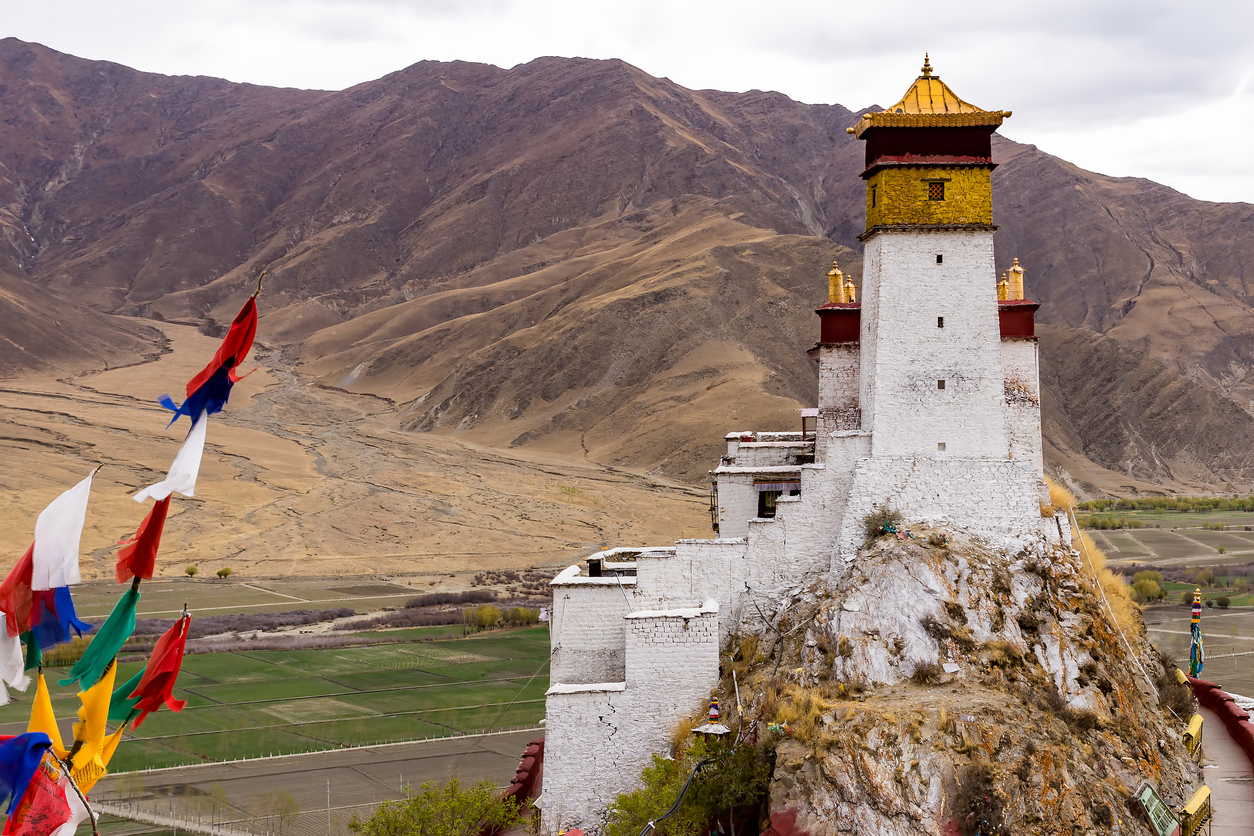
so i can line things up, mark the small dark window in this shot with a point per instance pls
(940, 446)
(766, 503)
(936, 190)
(940, 259)
(940, 384)
(940, 322)
(873, 188)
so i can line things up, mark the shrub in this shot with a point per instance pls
(435, 599)
(977, 803)
(224, 572)
(1223, 601)
(442, 810)
(1059, 496)
(724, 796)
(927, 673)
(1222, 550)
(880, 520)
(191, 571)
(209, 625)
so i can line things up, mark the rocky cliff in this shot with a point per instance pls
(945, 684)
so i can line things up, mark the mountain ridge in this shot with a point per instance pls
(487, 247)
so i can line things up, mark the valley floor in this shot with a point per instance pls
(299, 479)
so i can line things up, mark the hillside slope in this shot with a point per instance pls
(569, 255)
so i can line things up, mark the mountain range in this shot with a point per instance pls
(579, 259)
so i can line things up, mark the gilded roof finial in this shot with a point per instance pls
(927, 65)
(835, 287)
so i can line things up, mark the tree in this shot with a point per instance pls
(1205, 577)
(487, 616)
(191, 571)
(1148, 575)
(441, 810)
(1144, 590)
(224, 572)
(1223, 602)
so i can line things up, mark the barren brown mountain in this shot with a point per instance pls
(576, 258)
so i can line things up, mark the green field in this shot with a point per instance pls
(210, 596)
(243, 704)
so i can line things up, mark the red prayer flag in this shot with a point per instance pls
(238, 340)
(138, 556)
(157, 684)
(16, 596)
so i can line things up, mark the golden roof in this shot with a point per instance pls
(929, 103)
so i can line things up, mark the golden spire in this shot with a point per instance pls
(927, 66)
(1003, 289)
(1016, 281)
(835, 285)
(851, 291)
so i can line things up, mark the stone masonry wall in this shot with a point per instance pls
(838, 392)
(916, 353)
(989, 495)
(1019, 360)
(608, 733)
(588, 631)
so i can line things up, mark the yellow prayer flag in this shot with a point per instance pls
(89, 731)
(92, 772)
(43, 720)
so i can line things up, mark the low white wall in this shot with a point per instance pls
(588, 633)
(996, 496)
(600, 737)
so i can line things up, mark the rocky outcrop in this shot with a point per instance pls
(945, 684)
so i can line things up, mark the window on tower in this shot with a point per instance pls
(940, 322)
(873, 188)
(936, 190)
(940, 384)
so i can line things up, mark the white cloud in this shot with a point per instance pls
(1105, 83)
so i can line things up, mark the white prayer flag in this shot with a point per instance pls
(11, 665)
(186, 465)
(57, 534)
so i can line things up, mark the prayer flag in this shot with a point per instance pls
(209, 390)
(16, 597)
(12, 669)
(42, 718)
(57, 534)
(183, 471)
(19, 758)
(121, 705)
(89, 731)
(107, 642)
(157, 684)
(34, 658)
(138, 556)
(49, 807)
(53, 618)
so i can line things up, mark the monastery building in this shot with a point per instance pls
(928, 405)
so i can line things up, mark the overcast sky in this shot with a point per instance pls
(1149, 88)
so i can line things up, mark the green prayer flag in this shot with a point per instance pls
(34, 656)
(106, 643)
(119, 706)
